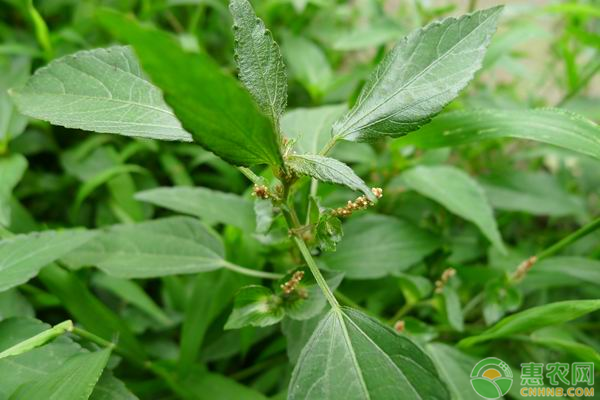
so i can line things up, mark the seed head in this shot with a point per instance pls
(292, 284)
(261, 191)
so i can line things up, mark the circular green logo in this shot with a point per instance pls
(491, 378)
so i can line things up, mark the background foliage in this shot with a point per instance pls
(173, 269)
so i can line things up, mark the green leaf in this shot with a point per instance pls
(38, 340)
(212, 206)
(308, 64)
(423, 73)
(455, 370)
(311, 127)
(459, 193)
(452, 309)
(101, 90)
(37, 363)
(307, 300)
(553, 126)
(261, 67)
(212, 105)
(210, 386)
(536, 193)
(329, 230)
(22, 256)
(13, 73)
(169, 246)
(14, 304)
(377, 245)
(133, 294)
(328, 170)
(74, 380)
(563, 272)
(210, 295)
(255, 306)
(352, 356)
(12, 169)
(298, 333)
(535, 318)
(86, 309)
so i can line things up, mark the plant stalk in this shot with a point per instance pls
(251, 272)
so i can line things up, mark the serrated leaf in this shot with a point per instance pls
(423, 73)
(328, 170)
(12, 169)
(553, 126)
(74, 380)
(22, 256)
(211, 206)
(377, 245)
(255, 306)
(459, 193)
(177, 245)
(219, 113)
(261, 67)
(101, 90)
(352, 356)
(535, 318)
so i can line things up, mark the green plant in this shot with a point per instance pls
(161, 87)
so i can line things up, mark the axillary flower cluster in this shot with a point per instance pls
(361, 203)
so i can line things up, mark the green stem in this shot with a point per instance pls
(250, 272)
(327, 148)
(312, 265)
(566, 241)
(41, 31)
(257, 180)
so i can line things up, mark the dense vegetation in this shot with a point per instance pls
(295, 199)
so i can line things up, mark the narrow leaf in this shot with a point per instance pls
(259, 60)
(535, 318)
(328, 170)
(101, 90)
(38, 340)
(459, 193)
(553, 126)
(22, 256)
(220, 114)
(354, 357)
(423, 73)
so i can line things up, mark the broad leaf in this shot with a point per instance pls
(459, 193)
(101, 90)
(12, 73)
(308, 64)
(422, 74)
(75, 379)
(178, 245)
(353, 357)
(212, 206)
(210, 104)
(22, 256)
(535, 318)
(255, 306)
(27, 368)
(12, 169)
(557, 127)
(37, 340)
(328, 170)
(535, 193)
(310, 128)
(455, 370)
(14, 304)
(377, 245)
(259, 60)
